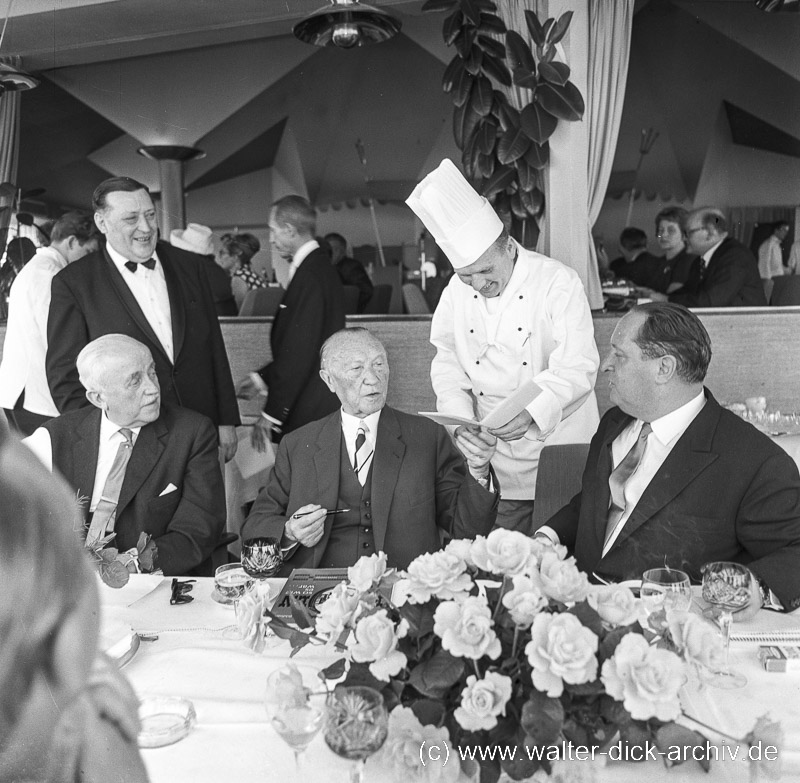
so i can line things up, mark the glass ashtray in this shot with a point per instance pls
(164, 720)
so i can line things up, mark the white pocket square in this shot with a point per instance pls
(169, 488)
(281, 306)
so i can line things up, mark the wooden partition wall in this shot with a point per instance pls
(755, 352)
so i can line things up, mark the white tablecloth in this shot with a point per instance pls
(233, 741)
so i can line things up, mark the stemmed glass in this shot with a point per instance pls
(726, 586)
(295, 702)
(261, 558)
(356, 725)
(664, 590)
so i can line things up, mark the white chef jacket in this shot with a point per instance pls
(539, 328)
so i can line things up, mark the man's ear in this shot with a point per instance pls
(97, 399)
(326, 377)
(667, 368)
(100, 221)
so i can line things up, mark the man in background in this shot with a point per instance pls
(770, 254)
(151, 291)
(636, 263)
(311, 310)
(510, 322)
(24, 392)
(350, 271)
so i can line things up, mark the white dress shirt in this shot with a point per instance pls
(350, 425)
(149, 287)
(770, 258)
(110, 439)
(25, 345)
(300, 255)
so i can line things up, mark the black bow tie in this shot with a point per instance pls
(133, 265)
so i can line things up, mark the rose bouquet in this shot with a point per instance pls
(502, 643)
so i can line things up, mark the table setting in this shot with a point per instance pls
(464, 648)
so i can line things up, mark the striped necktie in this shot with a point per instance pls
(363, 453)
(620, 476)
(106, 511)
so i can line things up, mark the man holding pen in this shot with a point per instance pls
(369, 478)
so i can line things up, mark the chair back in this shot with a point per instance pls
(414, 300)
(558, 479)
(768, 284)
(350, 299)
(393, 276)
(261, 302)
(785, 291)
(380, 300)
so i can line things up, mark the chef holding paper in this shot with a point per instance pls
(514, 339)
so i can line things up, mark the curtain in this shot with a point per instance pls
(9, 150)
(610, 24)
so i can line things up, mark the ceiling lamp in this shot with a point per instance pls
(13, 79)
(347, 23)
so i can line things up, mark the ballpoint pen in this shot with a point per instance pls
(332, 511)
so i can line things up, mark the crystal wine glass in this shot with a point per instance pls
(261, 558)
(356, 725)
(664, 590)
(295, 702)
(726, 586)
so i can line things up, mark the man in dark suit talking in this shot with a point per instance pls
(397, 479)
(139, 467)
(674, 479)
(151, 291)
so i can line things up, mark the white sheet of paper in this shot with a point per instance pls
(512, 405)
(448, 420)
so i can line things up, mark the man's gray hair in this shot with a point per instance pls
(93, 360)
(332, 347)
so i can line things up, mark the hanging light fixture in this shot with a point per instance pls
(347, 23)
(13, 79)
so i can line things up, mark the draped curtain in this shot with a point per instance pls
(9, 149)
(610, 24)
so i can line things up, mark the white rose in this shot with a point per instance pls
(367, 571)
(615, 604)
(439, 574)
(524, 601)
(462, 549)
(400, 754)
(645, 679)
(337, 611)
(376, 642)
(466, 628)
(561, 650)
(561, 580)
(697, 639)
(482, 701)
(541, 544)
(506, 552)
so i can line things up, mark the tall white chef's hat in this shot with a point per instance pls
(463, 223)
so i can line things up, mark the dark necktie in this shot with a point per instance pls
(106, 511)
(363, 453)
(133, 265)
(619, 478)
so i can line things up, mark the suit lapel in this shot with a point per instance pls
(85, 449)
(386, 464)
(146, 452)
(327, 464)
(176, 300)
(131, 305)
(690, 456)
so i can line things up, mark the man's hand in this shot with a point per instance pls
(247, 389)
(649, 293)
(306, 529)
(753, 605)
(261, 434)
(478, 447)
(516, 428)
(228, 441)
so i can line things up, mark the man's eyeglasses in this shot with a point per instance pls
(180, 591)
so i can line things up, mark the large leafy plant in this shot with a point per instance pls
(505, 150)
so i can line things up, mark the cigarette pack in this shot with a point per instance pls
(780, 657)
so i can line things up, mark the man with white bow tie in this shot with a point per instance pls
(137, 466)
(509, 318)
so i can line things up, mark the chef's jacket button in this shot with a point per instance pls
(477, 361)
(475, 297)
(520, 296)
(480, 394)
(519, 328)
(471, 331)
(365, 545)
(367, 516)
(524, 364)
(366, 503)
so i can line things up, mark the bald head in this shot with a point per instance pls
(355, 367)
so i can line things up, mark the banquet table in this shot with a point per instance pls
(195, 657)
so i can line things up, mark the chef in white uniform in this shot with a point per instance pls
(509, 317)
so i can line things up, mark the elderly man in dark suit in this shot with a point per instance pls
(673, 478)
(396, 480)
(312, 309)
(151, 291)
(725, 275)
(142, 468)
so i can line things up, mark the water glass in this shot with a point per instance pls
(664, 590)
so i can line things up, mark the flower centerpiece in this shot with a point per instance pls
(501, 644)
